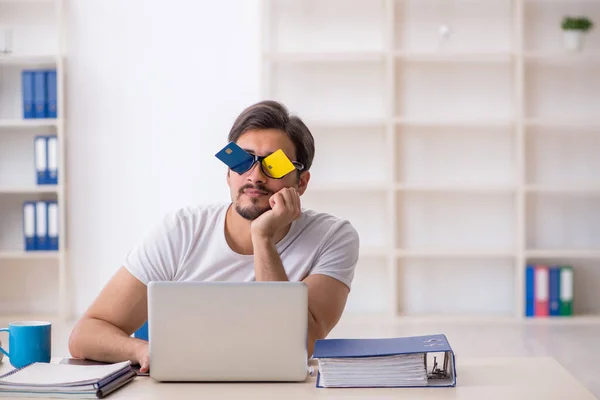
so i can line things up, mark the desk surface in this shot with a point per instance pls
(477, 378)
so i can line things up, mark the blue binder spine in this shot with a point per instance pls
(554, 292)
(51, 92)
(53, 235)
(39, 94)
(529, 290)
(29, 226)
(27, 93)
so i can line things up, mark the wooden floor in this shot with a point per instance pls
(575, 345)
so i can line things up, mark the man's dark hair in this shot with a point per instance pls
(270, 114)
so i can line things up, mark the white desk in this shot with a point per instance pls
(477, 378)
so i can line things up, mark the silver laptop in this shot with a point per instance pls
(225, 331)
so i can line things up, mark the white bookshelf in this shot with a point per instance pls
(38, 279)
(459, 161)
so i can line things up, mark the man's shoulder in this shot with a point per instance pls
(326, 223)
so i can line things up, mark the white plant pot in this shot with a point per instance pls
(573, 40)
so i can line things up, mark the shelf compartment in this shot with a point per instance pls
(474, 27)
(370, 292)
(350, 156)
(586, 281)
(458, 254)
(374, 231)
(17, 168)
(462, 286)
(560, 220)
(332, 91)
(11, 219)
(543, 31)
(306, 26)
(454, 92)
(456, 157)
(454, 222)
(563, 92)
(34, 27)
(561, 157)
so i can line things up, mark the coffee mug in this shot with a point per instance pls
(28, 342)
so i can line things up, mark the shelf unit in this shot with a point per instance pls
(459, 159)
(38, 279)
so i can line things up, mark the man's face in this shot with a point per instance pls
(250, 191)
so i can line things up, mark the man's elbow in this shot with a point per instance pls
(76, 340)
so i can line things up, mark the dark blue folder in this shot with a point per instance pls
(360, 348)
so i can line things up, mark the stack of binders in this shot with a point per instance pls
(417, 361)
(40, 225)
(46, 159)
(39, 93)
(548, 290)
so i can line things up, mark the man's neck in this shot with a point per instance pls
(238, 235)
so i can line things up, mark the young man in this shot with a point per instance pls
(262, 235)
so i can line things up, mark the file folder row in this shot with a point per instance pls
(40, 225)
(548, 290)
(46, 160)
(39, 93)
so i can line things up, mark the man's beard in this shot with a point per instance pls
(253, 211)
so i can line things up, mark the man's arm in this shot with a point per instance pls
(103, 333)
(326, 295)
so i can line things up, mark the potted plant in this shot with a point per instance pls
(574, 28)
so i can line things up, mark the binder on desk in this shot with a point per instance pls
(41, 159)
(41, 231)
(27, 93)
(29, 225)
(52, 225)
(39, 94)
(417, 361)
(52, 149)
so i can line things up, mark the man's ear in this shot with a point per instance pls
(303, 182)
(228, 177)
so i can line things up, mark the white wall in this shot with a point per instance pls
(153, 88)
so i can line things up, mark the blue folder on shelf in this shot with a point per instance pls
(416, 361)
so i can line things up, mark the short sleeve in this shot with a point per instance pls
(339, 255)
(157, 256)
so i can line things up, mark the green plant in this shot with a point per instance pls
(577, 24)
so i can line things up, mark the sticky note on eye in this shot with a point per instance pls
(278, 164)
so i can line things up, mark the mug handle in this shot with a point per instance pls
(1, 349)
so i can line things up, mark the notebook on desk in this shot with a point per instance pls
(417, 361)
(64, 381)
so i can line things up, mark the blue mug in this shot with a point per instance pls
(28, 342)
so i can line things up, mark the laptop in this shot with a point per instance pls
(228, 331)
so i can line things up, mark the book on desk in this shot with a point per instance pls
(66, 381)
(416, 361)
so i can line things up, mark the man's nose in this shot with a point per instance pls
(256, 174)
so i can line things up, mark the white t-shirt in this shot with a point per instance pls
(190, 245)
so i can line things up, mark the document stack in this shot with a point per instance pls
(66, 381)
(418, 361)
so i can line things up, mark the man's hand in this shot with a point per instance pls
(285, 208)
(143, 357)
